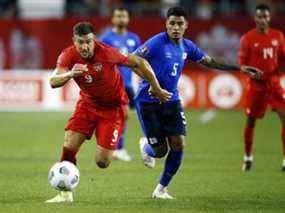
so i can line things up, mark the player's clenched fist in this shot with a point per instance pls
(78, 69)
(162, 94)
(252, 71)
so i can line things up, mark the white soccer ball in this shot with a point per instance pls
(64, 176)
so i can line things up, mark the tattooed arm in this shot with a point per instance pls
(221, 64)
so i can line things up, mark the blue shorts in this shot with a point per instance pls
(159, 121)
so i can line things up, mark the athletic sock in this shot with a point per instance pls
(121, 143)
(248, 139)
(68, 155)
(148, 150)
(171, 166)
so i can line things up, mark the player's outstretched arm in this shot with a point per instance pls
(143, 69)
(221, 64)
(61, 76)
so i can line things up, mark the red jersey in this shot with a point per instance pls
(262, 51)
(102, 84)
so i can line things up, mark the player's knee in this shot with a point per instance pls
(177, 143)
(250, 122)
(178, 146)
(161, 151)
(103, 164)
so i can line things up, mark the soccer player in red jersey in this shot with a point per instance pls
(262, 47)
(103, 101)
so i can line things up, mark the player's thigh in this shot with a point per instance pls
(256, 103)
(151, 123)
(174, 120)
(109, 130)
(82, 120)
(73, 140)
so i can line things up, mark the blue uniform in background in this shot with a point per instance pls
(126, 44)
(167, 59)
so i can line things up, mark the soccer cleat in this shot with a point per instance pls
(62, 197)
(161, 193)
(247, 165)
(147, 160)
(122, 154)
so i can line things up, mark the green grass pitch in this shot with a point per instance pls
(210, 179)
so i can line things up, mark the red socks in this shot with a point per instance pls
(68, 155)
(248, 139)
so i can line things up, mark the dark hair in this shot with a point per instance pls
(177, 11)
(121, 9)
(262, 7)
(83, 28)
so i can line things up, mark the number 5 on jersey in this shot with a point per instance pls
(175, 69)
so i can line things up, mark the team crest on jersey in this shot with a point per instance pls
(97, 67)
(131, 42)
(274, 42)
(168, 55)
(184, 55)
(143, 50)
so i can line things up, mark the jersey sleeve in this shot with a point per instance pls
(194, 53)
(148, 49)
(243, 51)
(115, 57)
(64, 60)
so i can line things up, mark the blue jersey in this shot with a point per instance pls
(126, 44)
(167, 59)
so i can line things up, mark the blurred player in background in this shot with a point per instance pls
(101, 107)
(164, 123)
(262, 47)
(126, 42)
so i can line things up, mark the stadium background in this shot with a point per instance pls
(32, 34)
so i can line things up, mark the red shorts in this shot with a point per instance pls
(260, 95)
(107, 124)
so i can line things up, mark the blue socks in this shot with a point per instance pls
(171, 166)
(121, 143)
(148, 150)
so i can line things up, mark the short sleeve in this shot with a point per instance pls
(148, 49)
(64, 60)
(243, 51)
(115, 57)
(194, 53)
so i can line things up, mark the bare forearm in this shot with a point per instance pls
(220, 64)
(58, 80)
(145, 71)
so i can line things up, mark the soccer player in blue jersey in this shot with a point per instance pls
(126, 42)
(164, 123)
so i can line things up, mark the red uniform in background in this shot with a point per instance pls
(103, 100)
(263, 51)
